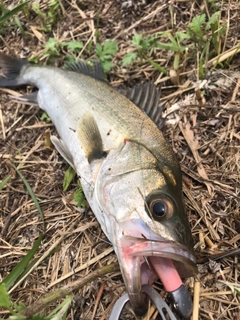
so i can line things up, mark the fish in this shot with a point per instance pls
(129, 174)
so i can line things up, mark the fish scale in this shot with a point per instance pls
(129, 174)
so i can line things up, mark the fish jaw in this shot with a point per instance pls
(142, 261)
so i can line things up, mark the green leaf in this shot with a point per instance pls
(170, 47)
(79, 197)
(45, 117)
(107, 65)
(110, 47)
(38, 317)
(19, 306)
(174, 42)
(5, 301)
(74, 46)
(52, 46)
(12, 12)
(20, 267)
(35, 200)
(213, 19)
(156, 66)
(68, 178)
(182, 36)
(98, 50)
(59, 313)
(69, 60)
(136, 40)
(196, 24)
(4, 182)
(129, 58)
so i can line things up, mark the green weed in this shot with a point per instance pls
(145, 48)
(200, 38)
(78, 194)
(6, 15)
(17, 310)
(50, 16)
(44, 117)
(4, 182)
(79, 197)
(105, 54)
(54, 48)
(68, 178)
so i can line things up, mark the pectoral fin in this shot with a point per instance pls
(63, 150)
(90, 138)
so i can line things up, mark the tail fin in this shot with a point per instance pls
(10, 69)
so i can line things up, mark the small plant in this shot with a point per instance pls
(144, 50)
(55, 48)
(49, 19)
(44, 117)
(6, 14)
(68, 178)
(78, 194)
(4, 182)
(79, 197)
(105, 54)
(201, 37)
(18, 310)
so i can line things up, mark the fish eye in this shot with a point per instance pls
(159, 207)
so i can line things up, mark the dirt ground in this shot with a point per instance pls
(203, 132)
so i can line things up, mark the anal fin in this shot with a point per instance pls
(30, 98)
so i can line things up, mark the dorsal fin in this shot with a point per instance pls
(146, 97)
(93, 69)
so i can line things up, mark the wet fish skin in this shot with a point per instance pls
(125, 166)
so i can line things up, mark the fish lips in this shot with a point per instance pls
(137, 268)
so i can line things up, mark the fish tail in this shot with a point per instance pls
(10, 70)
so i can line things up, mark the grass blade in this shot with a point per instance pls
(4, 182)
(35, 200)
(12, 12)
(21, 266)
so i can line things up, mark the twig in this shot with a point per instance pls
(196, 297)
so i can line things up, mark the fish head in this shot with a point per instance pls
(143, 215)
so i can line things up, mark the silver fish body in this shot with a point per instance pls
(128, 172)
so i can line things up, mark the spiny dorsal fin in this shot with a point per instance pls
(93, 69)
(146, 97)
(90, 138)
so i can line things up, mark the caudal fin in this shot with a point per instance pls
(10, 69)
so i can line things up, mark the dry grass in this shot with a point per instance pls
(204, 133)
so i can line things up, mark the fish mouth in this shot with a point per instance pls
(143, 261)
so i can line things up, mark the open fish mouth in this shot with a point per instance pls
(143, 261)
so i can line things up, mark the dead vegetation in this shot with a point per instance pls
(204, 131)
